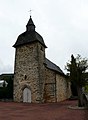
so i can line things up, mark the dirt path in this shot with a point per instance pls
(48, 111)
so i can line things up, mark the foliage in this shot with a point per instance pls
(77, 68)
(86, 88)
(7, 92)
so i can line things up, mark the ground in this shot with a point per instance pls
(46, 111)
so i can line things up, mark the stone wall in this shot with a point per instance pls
(41, 68)
(45, 84)
(62, 88)
(28, 61)
(57, 87)
(50, 86)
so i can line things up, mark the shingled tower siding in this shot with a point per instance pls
(29, 65)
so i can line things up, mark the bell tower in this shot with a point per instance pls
(29, 69)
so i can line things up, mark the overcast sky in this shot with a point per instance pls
(63, 25)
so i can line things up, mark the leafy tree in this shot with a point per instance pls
(77, 68)
(6, 92)
(10, 88)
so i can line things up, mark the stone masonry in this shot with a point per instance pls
(32, 70)
(27, 63)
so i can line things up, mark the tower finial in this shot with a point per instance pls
(30, 25)
(30, 12)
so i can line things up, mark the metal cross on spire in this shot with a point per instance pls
(30, 12)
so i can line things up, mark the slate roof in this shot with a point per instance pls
(29, 36)
(30, 22)
(52, 66)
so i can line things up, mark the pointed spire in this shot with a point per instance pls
(30, 25)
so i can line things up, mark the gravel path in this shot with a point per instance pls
(46, 111)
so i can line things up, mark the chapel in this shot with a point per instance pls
(36, 78)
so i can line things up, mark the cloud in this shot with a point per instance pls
(62, 23)
(5, 68)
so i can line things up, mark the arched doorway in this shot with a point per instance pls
(27, 95)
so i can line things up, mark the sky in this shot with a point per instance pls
(63, 24)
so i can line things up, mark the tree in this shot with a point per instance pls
(77, 68)
(10, 88)
(6, 92)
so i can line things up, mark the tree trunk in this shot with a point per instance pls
(80, 96)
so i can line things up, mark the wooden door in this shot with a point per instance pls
(27, 95)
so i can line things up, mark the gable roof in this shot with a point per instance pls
(53, 66)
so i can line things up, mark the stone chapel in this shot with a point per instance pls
(36, 78)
